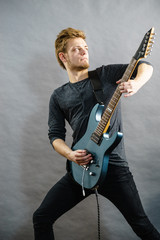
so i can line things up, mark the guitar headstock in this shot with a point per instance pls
(146, 45)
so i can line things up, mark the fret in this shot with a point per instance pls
(128, 71)
(95, 137)
(110, 110)
(114, 98)
(103, 124)
(125, 75)
(117, 96)
(113, 101)
(106, 115)
(99, 131)
(112, 104)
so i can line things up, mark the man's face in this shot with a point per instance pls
(77, 54)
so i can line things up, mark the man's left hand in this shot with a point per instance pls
(130, 87)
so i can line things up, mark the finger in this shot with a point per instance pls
(80, 153)
(126, 91)
(84, 158)
(118, 82)
(129, 94)
(83, 161)
(122, 87)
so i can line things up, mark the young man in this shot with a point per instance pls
(73, 102)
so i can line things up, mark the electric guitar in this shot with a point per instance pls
(96, 139)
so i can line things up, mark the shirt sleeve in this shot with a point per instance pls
(123, 67)
(56, 120)
(117, 71)
(135, 71)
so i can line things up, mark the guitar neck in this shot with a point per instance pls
(104, 122)
(142, 52)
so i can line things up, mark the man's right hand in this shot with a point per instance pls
(81, 157)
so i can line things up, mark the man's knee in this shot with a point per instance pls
(40, 218)
(43, 225)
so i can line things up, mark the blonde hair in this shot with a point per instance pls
(62, 39)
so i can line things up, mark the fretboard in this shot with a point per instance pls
(97, 134)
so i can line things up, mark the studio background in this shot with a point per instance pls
(29, 73)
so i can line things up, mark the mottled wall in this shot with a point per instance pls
(29, 73)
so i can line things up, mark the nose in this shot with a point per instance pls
(83, 51)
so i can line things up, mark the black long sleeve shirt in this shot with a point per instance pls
(74, 102)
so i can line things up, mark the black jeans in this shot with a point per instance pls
(118, 187)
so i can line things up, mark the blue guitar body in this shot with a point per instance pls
(93, 174)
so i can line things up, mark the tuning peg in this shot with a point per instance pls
(149, 52)
(149, 49)
(152, 38)
(150, 46)
(154, 35)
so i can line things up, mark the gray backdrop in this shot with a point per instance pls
(29, 73)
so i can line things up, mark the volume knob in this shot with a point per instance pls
(92, 174)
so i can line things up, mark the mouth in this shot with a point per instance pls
(83, 59)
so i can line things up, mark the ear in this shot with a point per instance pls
(62, 57)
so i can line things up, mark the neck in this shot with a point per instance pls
(76, 76)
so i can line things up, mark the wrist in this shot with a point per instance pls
(69, 154)
(138, 82)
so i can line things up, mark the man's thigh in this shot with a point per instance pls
(63, 196)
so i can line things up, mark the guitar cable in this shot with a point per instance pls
(97, 200)
(83, 191)
(98, 211)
